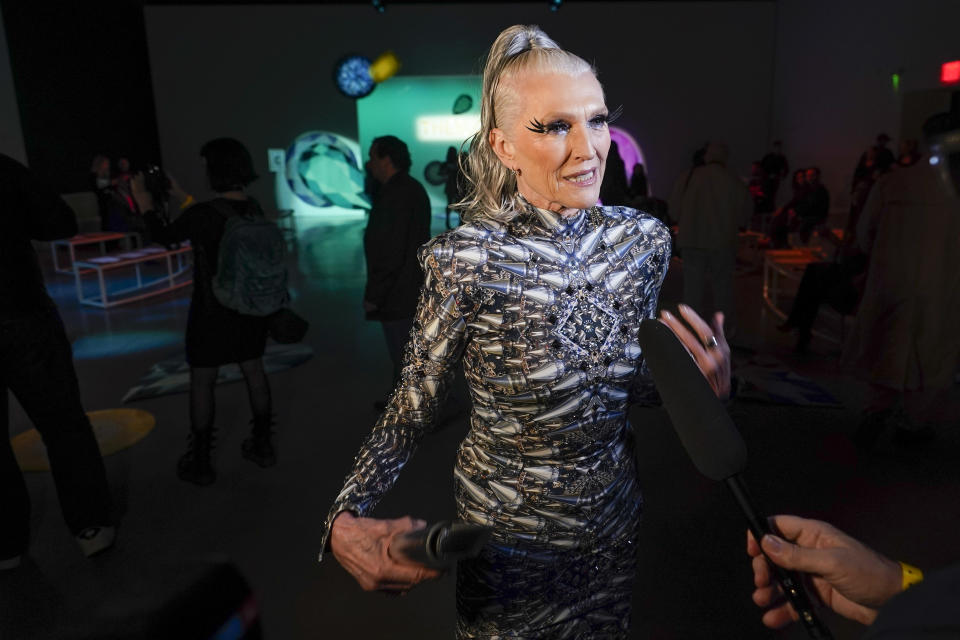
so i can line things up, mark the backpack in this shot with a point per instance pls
(251, 274)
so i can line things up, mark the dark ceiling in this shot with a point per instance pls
(387, 3)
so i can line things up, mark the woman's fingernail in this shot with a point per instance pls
(682, 307)
(666, 314)
(773, 543)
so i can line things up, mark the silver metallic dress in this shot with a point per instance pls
(543, 311)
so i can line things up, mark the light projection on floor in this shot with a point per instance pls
(430, 114)
(322, 176)
(121, 343)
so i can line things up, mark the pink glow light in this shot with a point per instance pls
(629, 150)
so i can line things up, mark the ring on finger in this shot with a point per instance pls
(712, 343)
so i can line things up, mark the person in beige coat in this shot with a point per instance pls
(906, 337)
(710, 205)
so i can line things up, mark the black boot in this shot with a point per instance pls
(194, 465)
(258, 447)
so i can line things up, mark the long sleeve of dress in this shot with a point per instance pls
(435, 348)
(643, 391)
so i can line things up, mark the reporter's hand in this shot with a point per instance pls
(713, 361)
(138, 189)
(361, 546)
(849, 577)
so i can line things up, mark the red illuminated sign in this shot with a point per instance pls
(950, 72)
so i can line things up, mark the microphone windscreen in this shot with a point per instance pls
(699, 418)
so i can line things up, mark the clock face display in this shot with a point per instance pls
(352, 75)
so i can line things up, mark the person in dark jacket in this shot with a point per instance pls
(807, 209)
(36, 364)
(399, 224)
(638, 182)
(217, 335)
(880, 156)
(614, 190)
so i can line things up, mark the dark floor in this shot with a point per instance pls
(694, 579)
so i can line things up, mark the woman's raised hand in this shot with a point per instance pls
(361, 546)
(707, 345)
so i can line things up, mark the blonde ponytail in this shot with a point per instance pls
(492, 187)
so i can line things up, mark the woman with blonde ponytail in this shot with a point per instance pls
(539, 295)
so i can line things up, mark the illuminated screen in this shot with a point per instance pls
(429, 113)
(322, 175)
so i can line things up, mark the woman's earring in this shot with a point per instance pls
(517, 172)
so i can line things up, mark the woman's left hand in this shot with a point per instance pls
(707, 345)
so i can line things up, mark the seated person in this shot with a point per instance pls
(838, 283)
(804, 213)
(780, 223)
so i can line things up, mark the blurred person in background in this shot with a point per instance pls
(216, 334)
(905, 341)
(36, 365)
(710, 212)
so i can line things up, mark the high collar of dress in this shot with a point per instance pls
(552, 223)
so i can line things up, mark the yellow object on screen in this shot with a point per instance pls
(385, 66)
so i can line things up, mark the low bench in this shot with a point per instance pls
(85, 239)
(175, 268)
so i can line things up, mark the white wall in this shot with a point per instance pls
(685, 72)
(833, 91)
(11, 137)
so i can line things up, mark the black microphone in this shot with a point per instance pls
(441, 544)
(713, 443)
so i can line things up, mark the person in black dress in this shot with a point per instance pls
(217, 335)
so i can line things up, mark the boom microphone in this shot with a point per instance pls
(713, 443)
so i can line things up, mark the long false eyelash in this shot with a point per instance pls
(538, 127)
(613, 115)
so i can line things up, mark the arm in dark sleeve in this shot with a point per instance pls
(176, 231)
(389, 247)
(44, 213)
